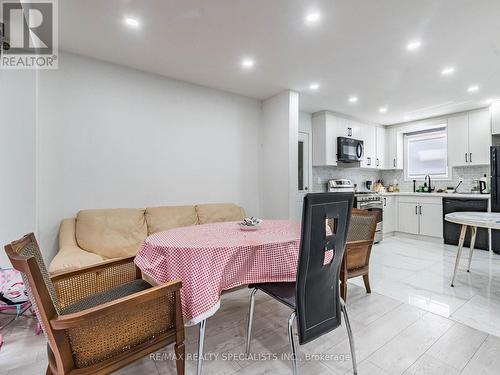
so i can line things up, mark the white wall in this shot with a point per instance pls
(305, 122)
(17, 156)
(116, 137)
(280, 121)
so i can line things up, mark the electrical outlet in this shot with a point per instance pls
(460, 179)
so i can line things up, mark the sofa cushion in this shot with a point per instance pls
(111, 233)
(219, 212)
(167, 217)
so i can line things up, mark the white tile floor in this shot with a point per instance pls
(412, 323)
(419, 273)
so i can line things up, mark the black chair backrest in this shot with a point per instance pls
(317, 295)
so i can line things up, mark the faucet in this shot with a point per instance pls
(429, 185)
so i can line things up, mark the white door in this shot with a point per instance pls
(479, 137)
(369, 137)
(458, 143)
(389, 214)
(431, 219)
(304, 170)
(380, 160)
(408, 217)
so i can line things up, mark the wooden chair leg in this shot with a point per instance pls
(366, 280)
(180, 358)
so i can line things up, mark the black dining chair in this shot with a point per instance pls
(314, 297)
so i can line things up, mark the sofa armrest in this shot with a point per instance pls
(67, 233)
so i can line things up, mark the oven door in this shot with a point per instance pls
(349, 150)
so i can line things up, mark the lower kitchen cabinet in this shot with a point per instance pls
(422, 216)
(431, 219)
(389, 214)
(408, 217)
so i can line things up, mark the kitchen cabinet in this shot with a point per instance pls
(469, 138)
(326, 127)
(479, 137)
(495, 117)
(408, 217)
(395, 147)
(431, 219)
(369, 137)
(355, 129)
(389, 214)
(325, 130)
(458, 140)
(421, 215)
(380, 159)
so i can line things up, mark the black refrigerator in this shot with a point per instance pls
(495, 193)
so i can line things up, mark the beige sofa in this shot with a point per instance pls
(95, 236)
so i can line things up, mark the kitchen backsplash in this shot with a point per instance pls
(467, 173)
(359, 176)
(356, 175)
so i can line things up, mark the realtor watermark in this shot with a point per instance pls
(255, 357)
(30, 34)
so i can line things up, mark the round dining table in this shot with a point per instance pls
(212, 258)
(490, 220)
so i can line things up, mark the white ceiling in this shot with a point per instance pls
(358, 47)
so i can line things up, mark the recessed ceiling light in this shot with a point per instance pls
(314, 86)
(413, 45)
(382, 109)
(353, 99)
(132, 22)
(247, 63)
(473, 88)
(448, 71)
(313, 17)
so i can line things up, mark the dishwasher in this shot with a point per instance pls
(451, 231)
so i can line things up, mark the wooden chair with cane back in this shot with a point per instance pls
(99, 318)
(356, 261)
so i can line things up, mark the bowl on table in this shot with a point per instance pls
(250, 224)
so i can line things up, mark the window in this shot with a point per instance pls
(426, 154)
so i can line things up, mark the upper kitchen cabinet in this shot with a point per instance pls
(325, 130)
(495, 117)
(469, 138)
(458, 140)
(369, 137)
(327, 126)
(381, 156)
(394, 159)
(479, 137)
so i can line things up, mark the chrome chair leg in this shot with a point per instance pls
(351, 338)
(250, 322)
(291, 339)
(201, 342)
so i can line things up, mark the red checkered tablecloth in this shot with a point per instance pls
(211, 258)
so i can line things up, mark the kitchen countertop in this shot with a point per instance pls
(448, 195)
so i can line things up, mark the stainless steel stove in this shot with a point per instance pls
(364, 200)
